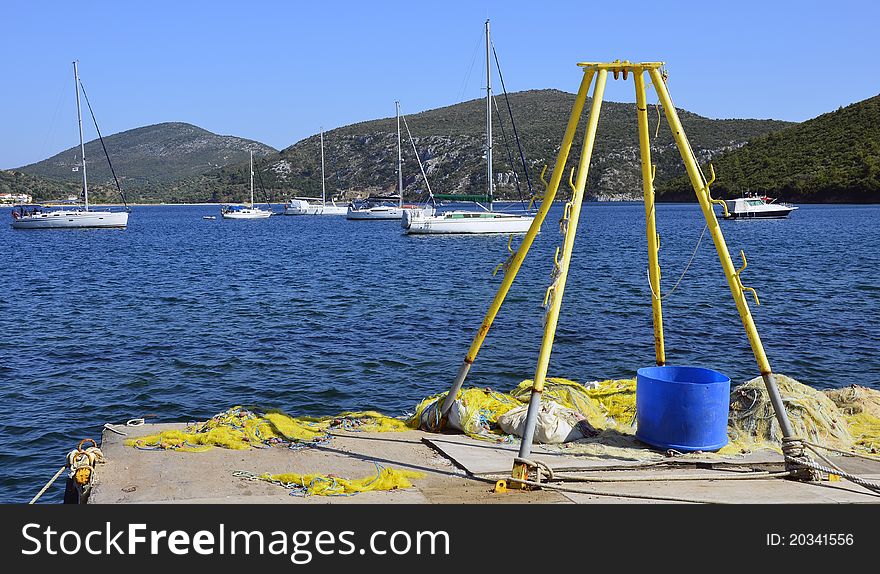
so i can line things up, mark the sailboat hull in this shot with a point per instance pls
(299, 207)
(467, 222)
(246, 214)
(72, 219)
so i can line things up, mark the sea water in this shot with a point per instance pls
(177, 318)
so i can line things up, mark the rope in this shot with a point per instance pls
(675, 478)
(509, 154)
(843, 452)
(807, 463)
(522, 156)
(48, 484)
(100, 137)
(615, 494)
(418, 159)
(688, 266)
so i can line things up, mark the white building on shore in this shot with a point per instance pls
(13, 198)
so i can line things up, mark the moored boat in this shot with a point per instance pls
(755, 207)
(250, 211)
(41, 217)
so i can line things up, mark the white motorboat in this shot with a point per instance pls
(755, 207)
(315, 205)
(384, 207)
(40, 217)
(245, 211)
(464, 221)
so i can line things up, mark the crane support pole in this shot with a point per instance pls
(651, 221)
(519, 256)
(520, 469)
(702, 191)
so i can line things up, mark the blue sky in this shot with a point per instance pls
(278, 71)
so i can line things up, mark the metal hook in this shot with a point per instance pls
(541, 177)
(509, 257)
(537, 197)
(720, 202)
(653, 172)
(739, 279)
(571, 180)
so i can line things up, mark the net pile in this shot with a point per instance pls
(861, 407)
(331, 485)
(813, 415)
(475, 412)
(243, 428)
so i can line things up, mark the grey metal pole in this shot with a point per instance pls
(82, 146)
(488, 122)
(399, 156)
(323, 191)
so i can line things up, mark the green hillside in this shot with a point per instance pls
(149, 160)
(361, 158)
(40, 188)
(832, 158)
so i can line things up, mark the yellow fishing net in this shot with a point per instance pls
(331, 485)
(569, 394)
(813, 416)
(475, 412)
(861, 407)
(243, 428)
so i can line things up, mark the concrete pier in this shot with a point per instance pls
(458, 469)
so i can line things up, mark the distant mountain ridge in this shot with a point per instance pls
(178, 162)
(149, 157)
(361, 157)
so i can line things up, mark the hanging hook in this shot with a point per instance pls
(536, 197)
(571, 180)
(541, 177)
(720, 202)
(506, 263)
(739, 279)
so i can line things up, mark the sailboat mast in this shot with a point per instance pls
(323, 191)
(399, 156)
(252, 178)
(82, 146)
(488, 122)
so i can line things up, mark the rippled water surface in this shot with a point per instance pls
(182, 317)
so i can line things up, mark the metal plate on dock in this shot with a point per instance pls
(487, 458)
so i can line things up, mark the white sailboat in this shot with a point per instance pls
(39, 217)
(382, 207)
(311, 205)
(245, 211)
(465, 221)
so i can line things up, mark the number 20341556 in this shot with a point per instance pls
(810, 539)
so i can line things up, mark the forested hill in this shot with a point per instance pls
(362, 157)
(832, 158)
(148, 159)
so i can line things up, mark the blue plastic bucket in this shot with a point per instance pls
(682, 408)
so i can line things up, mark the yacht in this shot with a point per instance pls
(245, 211)
(42, 217)
(384, 207)
(472, 221)
(755, 207)
(315, 205)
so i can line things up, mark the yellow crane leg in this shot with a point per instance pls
(520, 465)
(651, 222)
(523, 249)
(701, 188)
